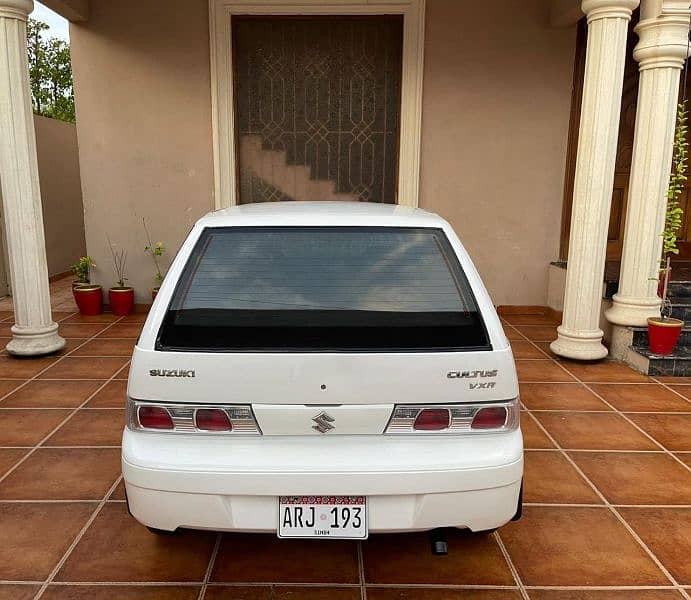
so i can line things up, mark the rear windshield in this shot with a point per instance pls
(322, 289)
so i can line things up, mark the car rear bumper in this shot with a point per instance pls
(412, 482)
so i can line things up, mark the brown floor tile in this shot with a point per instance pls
(641, 398)
(23, 368)
(239, 592)
(405, 558)
(18, 592)
(51, 394)
(35, 536)
(636, 478)
(6, 329)
(667, 532)
(106, 347)
(7, 385)
(684, 457)
(120, 592)
(81, 330)
(577, 546)
(672, 431)
(63, 474)
(102, 318)
(113, 395)
(28, 427)
(70, 345)
(533, 436)
(538, 333)
(118, 492)
(593, 431)
(118, 548)
(281, 593)
(560, 396)
(545, 347)
(138, 317)
(531, 320)
(541, 370)
(91, 427)
(604, 595)
(440, 594)
(670, 379)
(10, 457)
(123, 374)
(550, 478)
(123, 330)
(512, 334)
(62, 315)
(321, 561)
(684, 390)
(84, 368)
(524, 349)
(605, 371)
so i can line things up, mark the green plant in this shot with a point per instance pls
(155, 251)
(119, 263)
(677, 180)
(82, 268)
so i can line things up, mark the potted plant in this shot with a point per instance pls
(89, 298)
(121, 295)
(664, 331)
(155, 251)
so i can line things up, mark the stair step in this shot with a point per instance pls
(677, 364)
(640, 337)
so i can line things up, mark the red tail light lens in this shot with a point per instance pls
(155, 417)
(491, 417)
(212, 419)
(432, 419)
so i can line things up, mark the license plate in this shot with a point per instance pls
(336, 517)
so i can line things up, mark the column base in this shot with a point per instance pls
(632, 312)
(585, 345)
(35, 341)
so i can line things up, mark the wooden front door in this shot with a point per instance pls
(627, 123)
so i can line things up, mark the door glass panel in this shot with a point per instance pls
(317, 103)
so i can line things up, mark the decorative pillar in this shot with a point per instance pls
(579, 335)
(34, 332)
(661, 53)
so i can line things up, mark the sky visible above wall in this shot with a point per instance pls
(59, 27)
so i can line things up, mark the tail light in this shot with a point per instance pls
(492, 417)
(191, 418)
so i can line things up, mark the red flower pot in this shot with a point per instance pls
(663, 334)
(89, 299)
(121, 300)
(154, 293)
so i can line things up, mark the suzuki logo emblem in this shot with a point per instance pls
(323, 422)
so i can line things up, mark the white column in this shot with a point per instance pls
(579, 335)
(34, 332)
(661, 53)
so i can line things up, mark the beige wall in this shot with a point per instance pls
(142, 87)
(496, 107)
(61, 192)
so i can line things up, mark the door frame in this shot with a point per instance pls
(223, 117)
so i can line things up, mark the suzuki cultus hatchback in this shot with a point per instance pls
(322, 370)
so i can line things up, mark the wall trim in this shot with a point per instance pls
(220, 15)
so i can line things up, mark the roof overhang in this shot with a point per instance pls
(565, 13)
(72, 10)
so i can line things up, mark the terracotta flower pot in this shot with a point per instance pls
(121, 300)
(89, 299)
(663, 334)
(154, 293)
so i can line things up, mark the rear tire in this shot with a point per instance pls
(486, 531)
(519, 508)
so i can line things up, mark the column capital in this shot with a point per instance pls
(16, 9)
(663, 41)
(608, 9)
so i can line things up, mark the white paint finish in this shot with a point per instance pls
(221, 11)
(579, 335)
(34, 332)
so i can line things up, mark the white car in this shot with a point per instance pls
(323, 370)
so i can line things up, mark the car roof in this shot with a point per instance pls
(322, 213)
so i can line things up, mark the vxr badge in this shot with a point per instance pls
(323, 422)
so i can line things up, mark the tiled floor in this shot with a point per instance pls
(607, 492)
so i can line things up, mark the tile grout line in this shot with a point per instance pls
(668, 387)
(514, 571)
(361, 571)
(69, 416)
(210, 566)
(609, 506)
(77, 538)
